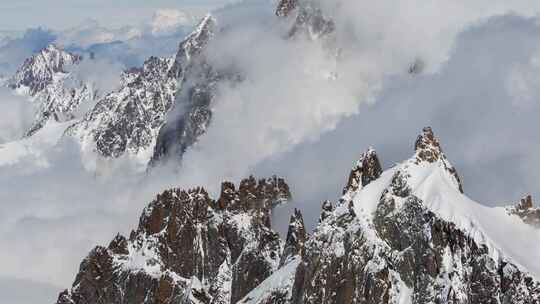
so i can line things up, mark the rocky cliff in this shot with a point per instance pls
(56, 92)
(188, 248)
(130, 119)
(404, 235)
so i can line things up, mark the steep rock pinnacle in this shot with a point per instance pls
(526, 211)
(367, 169)
(296, 237)
(428, 149)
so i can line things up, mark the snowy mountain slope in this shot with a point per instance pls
(434, 181)
(411, 236)
(33, 147)
(277, 288)
(39, 70)
(57, 93)
(129, 119)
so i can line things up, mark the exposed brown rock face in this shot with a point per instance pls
(428, 149)
(367, 169)
(296, 237)
(526, 211)
(188, 248)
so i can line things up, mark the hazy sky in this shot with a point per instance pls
(61, 14)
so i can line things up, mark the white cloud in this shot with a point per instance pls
(168, 21)
(16, 115)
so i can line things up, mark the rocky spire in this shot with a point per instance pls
(193, 45)
(428, 149)
(119, 245)
(526, 203)
(228, 196)
(367, 169)
(327, 209)
(296, 237)
(188, 248)
(526, 211)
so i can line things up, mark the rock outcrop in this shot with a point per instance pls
(367, 169)
(188, 248)
(428, 149)
(296, 237)
(526, 211)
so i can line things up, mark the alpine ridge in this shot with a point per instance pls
(158, 110)
(128, 120)
(188, 248)
(56, 92)
(404, 235)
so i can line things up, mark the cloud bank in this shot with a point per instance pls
(16, 116)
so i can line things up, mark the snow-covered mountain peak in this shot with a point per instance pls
(429, 182)
(39, 70)
(56, 92)
(428, 150)
(128, 120)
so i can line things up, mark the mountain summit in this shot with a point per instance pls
(404, 235)
(56, 92)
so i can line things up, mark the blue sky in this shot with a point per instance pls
(61, 14)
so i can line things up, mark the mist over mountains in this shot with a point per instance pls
(188, 100)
